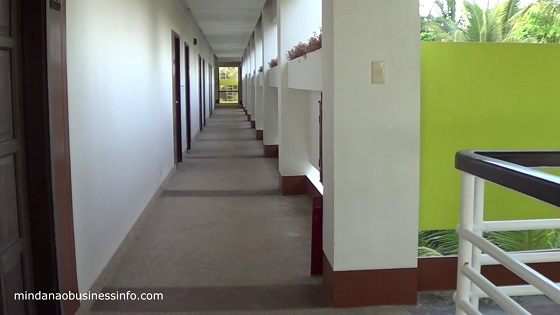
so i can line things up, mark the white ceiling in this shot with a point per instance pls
(227, 24)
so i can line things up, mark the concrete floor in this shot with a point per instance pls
(222, 240)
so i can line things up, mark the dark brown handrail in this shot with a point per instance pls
(512, 169)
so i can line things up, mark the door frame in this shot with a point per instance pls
(176, 103)
(188, 94)
(47, 152)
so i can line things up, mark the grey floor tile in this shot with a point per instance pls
(222, 174)
(222, 240)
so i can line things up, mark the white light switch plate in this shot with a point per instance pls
(378, 72)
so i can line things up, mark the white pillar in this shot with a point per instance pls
(371, 150)
(242, 78)
(245, 71)
(251, 87)
(259, 93)
(297, 20)
(270, 97)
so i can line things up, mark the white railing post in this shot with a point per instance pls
(478, 218)
(471, 284)
(465, 247)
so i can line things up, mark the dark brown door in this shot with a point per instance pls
(210, 84)
(200, 95)
(204, 90)
(321, 138)
(188, 94)
(15, 268)
(177, 139)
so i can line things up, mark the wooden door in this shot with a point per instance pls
(210, 83)
(176, 57)
(204, 90)
(188, 94)
(321, 138)
(15, 263)
(200, 95)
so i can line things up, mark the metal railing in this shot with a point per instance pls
(513, 170)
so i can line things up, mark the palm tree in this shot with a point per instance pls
(538, 22)
(493, 24)
(443, 25)
(507, 21)
(446, 242)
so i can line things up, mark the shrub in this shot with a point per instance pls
(273, 63)
(299, 50)
(314, 43)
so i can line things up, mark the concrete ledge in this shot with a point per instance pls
(370, 287)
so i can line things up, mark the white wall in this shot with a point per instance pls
(259, 91)
(270, 51)
(253, 68)
(297, 20)
(328, 129)
(120, 115)
(373, 154)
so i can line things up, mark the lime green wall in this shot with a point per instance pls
(484, 96)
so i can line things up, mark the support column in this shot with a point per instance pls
(250, 85)
(371, 151)
(243, 76)
(259, 93)
(297, 20)
(270, 97)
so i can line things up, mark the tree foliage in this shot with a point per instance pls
(506, 21)
(540, 23)
(230, 73)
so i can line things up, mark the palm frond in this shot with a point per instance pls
(474, 16)
(514, 241)
(428, 252)
(445, 242)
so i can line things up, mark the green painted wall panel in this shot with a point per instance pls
(484, 96)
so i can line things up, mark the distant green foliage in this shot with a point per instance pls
(507, 21)
(540, 23)
(229, 73)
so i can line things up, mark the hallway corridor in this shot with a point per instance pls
(221, 239)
